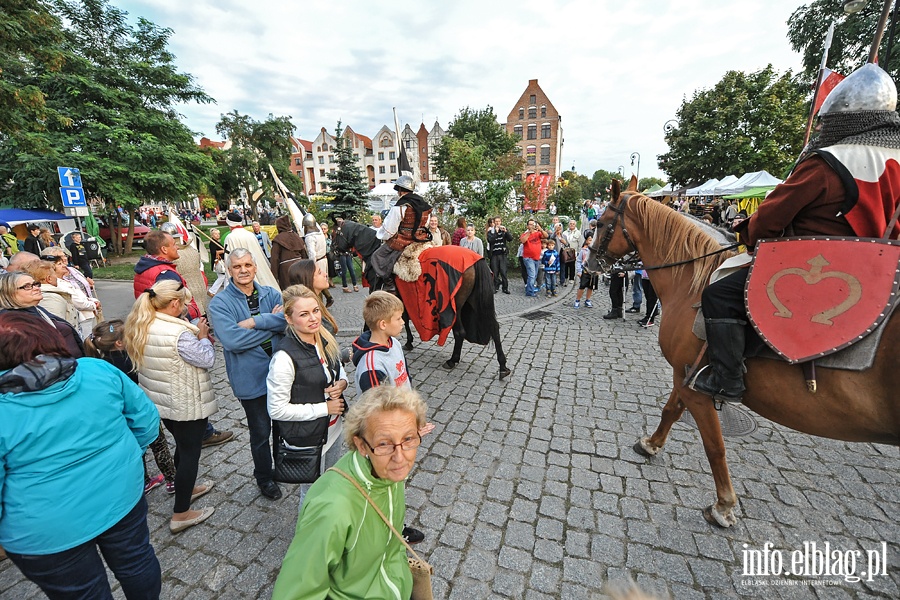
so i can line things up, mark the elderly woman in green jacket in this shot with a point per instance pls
(342, 549)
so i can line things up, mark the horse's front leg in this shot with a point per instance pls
(704, 413)
(672, 411)
(409, 335)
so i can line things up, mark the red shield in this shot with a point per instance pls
(809, 297)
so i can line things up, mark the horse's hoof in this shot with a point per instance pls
(449, 364)
(714, 517)
(644, 449)
(504, 373)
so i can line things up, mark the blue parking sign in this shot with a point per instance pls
(72, 197)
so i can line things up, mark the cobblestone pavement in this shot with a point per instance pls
(529, 488)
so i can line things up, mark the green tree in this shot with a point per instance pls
(30, 44)
(244, 166)
(746, 122)
(853, 35)
(347, 186)
(569, 193)
(119, 90)
(600, 183)
(649, 182)
(478, 158)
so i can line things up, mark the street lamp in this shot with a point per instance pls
(670, 126)
(621, 171)
(854, 6)
(637, 155)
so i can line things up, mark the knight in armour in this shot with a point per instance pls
(844, 185)
(407, 222)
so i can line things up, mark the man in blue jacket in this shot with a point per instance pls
(249, 322)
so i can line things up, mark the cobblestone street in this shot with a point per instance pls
(529, 487)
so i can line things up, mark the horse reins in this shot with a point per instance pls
(619, 209)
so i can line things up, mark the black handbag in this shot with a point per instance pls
(303, 465)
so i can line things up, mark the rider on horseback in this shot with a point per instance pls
(844, 185)
(407, 222)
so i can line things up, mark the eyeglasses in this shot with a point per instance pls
(29, 286)
(387, 448)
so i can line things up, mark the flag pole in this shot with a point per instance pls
(879, 31)
(819, 79)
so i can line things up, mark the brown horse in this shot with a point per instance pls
(856, 406)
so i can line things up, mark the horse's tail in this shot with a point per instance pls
(478, 315)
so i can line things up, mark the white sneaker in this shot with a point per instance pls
(578, 304)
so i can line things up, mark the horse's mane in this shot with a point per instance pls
(674, 238)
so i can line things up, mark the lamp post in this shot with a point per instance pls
(637, 155)
(670, 126)
(621, 171)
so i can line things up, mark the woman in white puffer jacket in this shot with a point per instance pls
(173, 358)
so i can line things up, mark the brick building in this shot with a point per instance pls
(538, 125)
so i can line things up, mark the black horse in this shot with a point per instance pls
(476, 319)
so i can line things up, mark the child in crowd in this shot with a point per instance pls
(539, 278)
(550, 264)
(106, 342)
(379, 359)
(587, 280)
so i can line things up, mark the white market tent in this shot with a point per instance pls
(749, 180)
(725, 183)
(666, 191)
(698, 191)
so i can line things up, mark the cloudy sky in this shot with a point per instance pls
(615, 70)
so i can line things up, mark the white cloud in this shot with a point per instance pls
(616, 71)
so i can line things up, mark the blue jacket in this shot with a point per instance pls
(246, 362)
(71, 458)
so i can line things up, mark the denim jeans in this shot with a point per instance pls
(260, 426)
(551, 281)
(637, 290)
(79, 573)
(346, 261)
(531, 267)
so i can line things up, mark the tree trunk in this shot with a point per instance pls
(129, 241)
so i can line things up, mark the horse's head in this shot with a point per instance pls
(339, 236)
(611, 238)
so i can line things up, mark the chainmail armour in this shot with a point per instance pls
(866, 128)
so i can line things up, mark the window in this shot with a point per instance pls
(386, 142)
(545, 131)
(521, 113)
(382, 181)
(381, 156)
(532, 112)
(408, 144)
(424, 163)
(297, 161)
(518, 131)
(393, 168)
(424, 150)
(392, 155)
(321, 160)
(321, 172)
(331, 158)
(517, 177)
(532, 132)
(532, 99)
(331, 171)
(545, 154)
(325, 147)
(381, 170)
(530, 155)
(543, 111)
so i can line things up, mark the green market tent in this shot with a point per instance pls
(754, 192)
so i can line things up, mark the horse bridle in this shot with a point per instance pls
(632, 257)
(610, 231)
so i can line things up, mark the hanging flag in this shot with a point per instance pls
(404, 167)
(182, 230)
(295, 211)
(199, 245)
(829, 80)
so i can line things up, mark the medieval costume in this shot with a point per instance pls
(407, 222)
